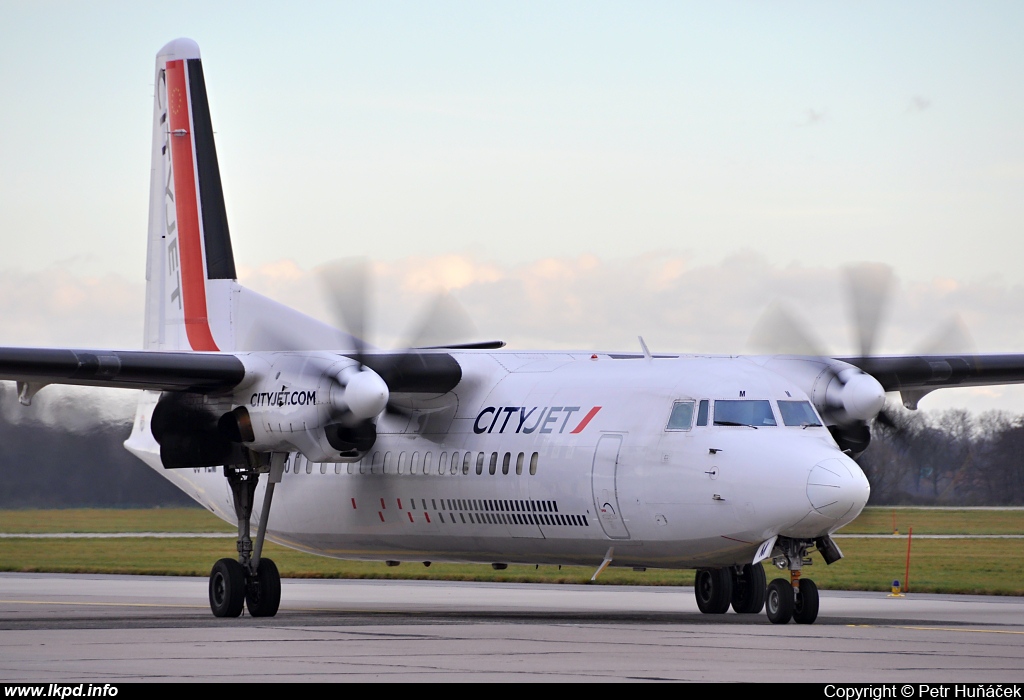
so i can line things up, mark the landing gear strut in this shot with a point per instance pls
(251, 581)
(797, 598)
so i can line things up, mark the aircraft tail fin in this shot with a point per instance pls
(190, 275)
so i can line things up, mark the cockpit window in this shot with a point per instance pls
(702, 413)
(682, 416)
(753, 413)
(798, 413)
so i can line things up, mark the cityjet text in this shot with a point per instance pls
(283, 398)
(541, 419)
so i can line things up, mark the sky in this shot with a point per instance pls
(577, 173)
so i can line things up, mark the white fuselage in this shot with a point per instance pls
(582, 463)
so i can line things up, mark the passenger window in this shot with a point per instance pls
(519, 463)
(388, 465)
(505, 462)
(702, 413)
(323, 467)
(401, 463)
(480, 463)
(533, 463)
(309, 467)
(465, 462)
(455, 463)
(414, 464)
(682, 416)
(494, 463)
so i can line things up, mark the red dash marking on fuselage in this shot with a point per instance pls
(410, 518)
(382, 506)
(353, 504)
(381, 516)
(427, 516)
(586, 419)
(399, 503)
(186, 206)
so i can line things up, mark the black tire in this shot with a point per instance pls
(713, 589)
(805, 608)
(263, 591)
(779, 601)
(748, 589)
(227, 588)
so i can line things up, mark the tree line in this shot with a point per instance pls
(949, 458)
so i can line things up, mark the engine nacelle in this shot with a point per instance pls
(843, 394)
(319, 404)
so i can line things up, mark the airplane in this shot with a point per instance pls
(473, 452)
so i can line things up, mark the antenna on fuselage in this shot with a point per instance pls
(643, 346)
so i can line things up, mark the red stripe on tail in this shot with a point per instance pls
(186, 205)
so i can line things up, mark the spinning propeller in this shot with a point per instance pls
(847, 397)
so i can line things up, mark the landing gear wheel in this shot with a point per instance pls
(779, 601)
(805, 608)
(748, 589)
(227, 588)
(263, 591)
(713, 589)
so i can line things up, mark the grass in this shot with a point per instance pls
(112, 520)
(874, 520)
(946, 566)
(946, 521)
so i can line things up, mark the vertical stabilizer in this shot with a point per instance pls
(190, 269)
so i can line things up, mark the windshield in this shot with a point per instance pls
(798, 413)
(752, 413)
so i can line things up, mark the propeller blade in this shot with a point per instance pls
(444, 320)
(868, 288)
(778, 332)
(346, 283)
(952, 338)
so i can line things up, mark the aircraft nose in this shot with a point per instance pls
(837, 488)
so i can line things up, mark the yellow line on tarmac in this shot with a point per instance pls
(943, 629)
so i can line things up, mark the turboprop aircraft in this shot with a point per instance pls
(473, 453)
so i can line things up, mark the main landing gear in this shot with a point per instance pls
(741, 587)
(251, 581)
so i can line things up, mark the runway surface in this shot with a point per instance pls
(86, 628)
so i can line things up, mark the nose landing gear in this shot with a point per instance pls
(251, 581)
(797, 598)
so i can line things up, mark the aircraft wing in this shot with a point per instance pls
(202, 372)
(920, 374)
(127, 369)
